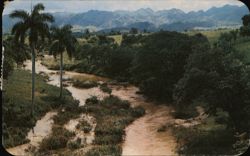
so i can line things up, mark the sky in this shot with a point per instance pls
(76, 6)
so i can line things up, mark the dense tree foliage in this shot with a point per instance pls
(219, 77)
(160, 62)
(245, 29)
(14, 53)
(177, 68)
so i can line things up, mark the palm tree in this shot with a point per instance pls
(62, 40)
(35, 25)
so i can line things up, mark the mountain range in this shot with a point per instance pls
(146, 18)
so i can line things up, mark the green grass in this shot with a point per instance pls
(212, 35)
(112, 115)
(17, 105)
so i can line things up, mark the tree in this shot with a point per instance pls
(245, 29)
(36, 25)
(63, 39)
(87, 33)
(134, 31)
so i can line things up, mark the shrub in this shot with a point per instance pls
(84, 84)
(92, 100)
(138, 112)
(58, 139)
(114, 150)
(74, 144)
(84, 126)
(104, 87)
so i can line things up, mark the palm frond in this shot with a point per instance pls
(45, 17)
(38, 7)
(56, 48)
(17, 27)
(19, 30)
(21, 14)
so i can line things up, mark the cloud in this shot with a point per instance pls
(111, 5)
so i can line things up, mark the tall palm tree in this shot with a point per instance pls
(35, 25)
(62, 39)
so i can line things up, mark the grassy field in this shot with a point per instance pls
(117, 38)
(17, 105)
(212, 35)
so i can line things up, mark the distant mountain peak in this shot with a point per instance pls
(146, 18)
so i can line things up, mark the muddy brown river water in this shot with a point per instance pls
(141, 137)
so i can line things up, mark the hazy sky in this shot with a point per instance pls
(111, 5)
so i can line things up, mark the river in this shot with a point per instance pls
(141, 137)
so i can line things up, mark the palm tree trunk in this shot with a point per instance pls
(61, 72)
(33, 80)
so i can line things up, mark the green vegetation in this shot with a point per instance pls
(58, 139)
(84, 84)
(113, 150)
(206, 67)
(74, 144)
(84, 126)
(54, 63)
(112, 116)
(212, 35)
(245, 29)
(244, 47)
(17, 103)
(104, 87)
(14, 53)
(209, 137)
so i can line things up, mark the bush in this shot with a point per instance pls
(138, 111)
(104, 87)
(58, 139)
(84, 84)
(92, 100)
(84, 126)
(113, 150)
(210, 141)
(74, 144)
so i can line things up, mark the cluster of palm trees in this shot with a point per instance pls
(35, 26)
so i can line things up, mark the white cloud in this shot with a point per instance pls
(111, 5)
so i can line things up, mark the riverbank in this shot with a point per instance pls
(17, 121)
